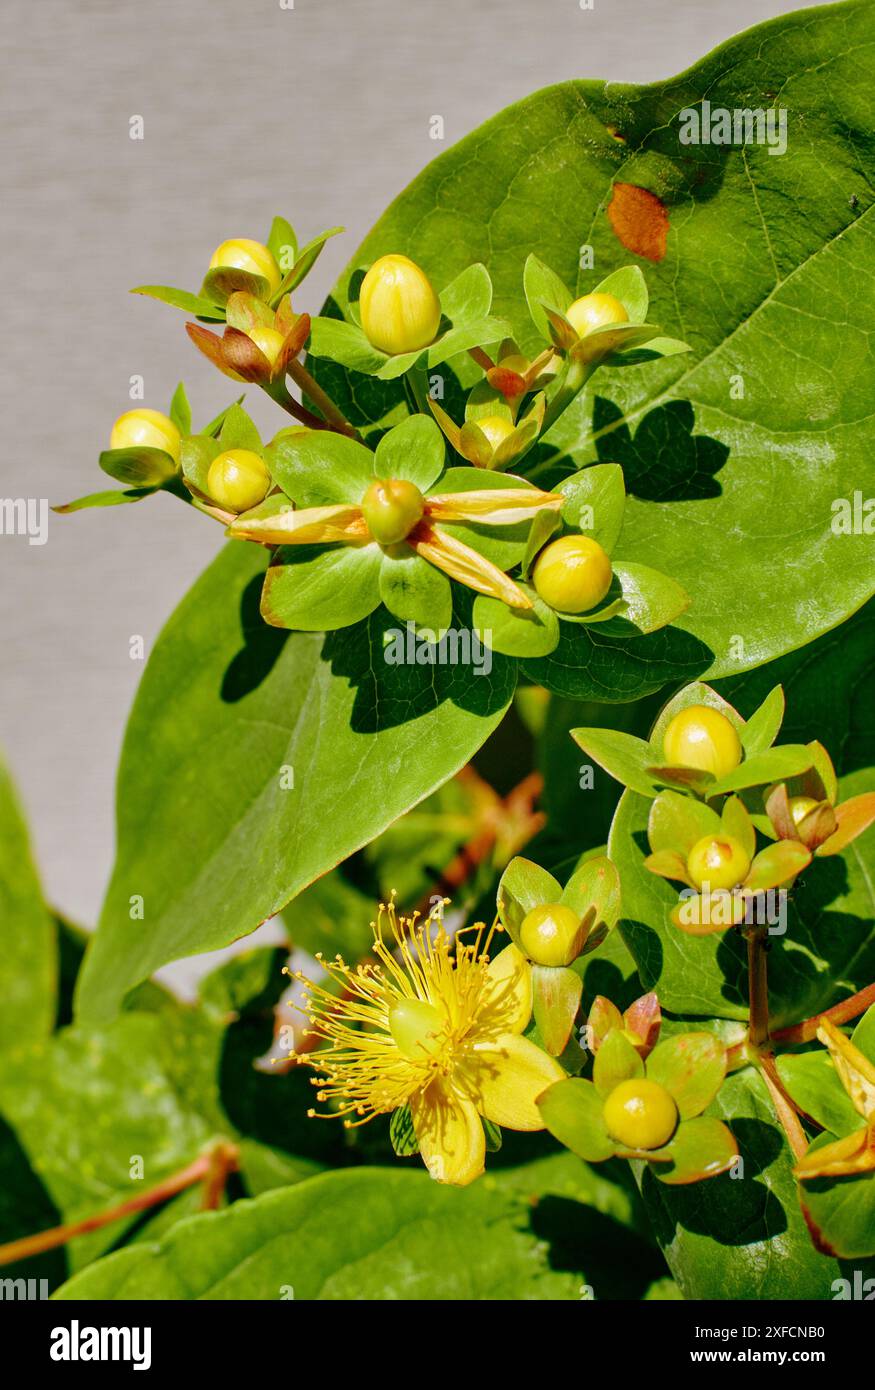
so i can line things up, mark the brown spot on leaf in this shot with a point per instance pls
(639, 219)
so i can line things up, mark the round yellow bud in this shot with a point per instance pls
(549, 934)
(252, 256)
(702, 738)
(572, 574)
(640, 1115)
(146, 429)
(416, 1027)
(269, 340)
(720, 861)
(800, 806)
(595, 311)
(238, 480)
(399, 309)
(391, 508)
(496, 428)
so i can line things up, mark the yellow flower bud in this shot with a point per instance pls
(702, 738)
(399, 309)
(595, 311)
(640, 1114)
(572, 574)
(416, 1027)
(718, 861)
(550, 934)
(252, 256)
(495, 427)
(146, 429)
(269, 340)
(800, 806)
(391, 509)
(238, 480)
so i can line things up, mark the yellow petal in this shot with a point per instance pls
(498, 506)
(460, 562)
(312, 526)
(507, 1076)
(853, 1154)
(450, 1135)
(856, 1072)
(511, 990)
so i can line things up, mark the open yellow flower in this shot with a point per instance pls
(434, 1027)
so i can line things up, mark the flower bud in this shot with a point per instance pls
(251, 256)
(550, 935)
(595, 311)
(268, 340)
(718, 861)
(146, 429)
(238, 480)
(702, 738)
(640, 1114)
(800, 806)
(391, 508)
(572, 574)
(399, 309)
(495, 427)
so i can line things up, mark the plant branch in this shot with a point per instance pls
(784, 1107)
(849, 1008)
(204, 1169)
(758, 989)
(279, 392)
(309, 387)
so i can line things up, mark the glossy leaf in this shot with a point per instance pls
(28, 945)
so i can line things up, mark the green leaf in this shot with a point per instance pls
(306, 259)
(138, 466)
(281, 241)
(814, 1085)
(212, 835)
(105, 499)
(238, 430)
(624, 756)
(523, 886)
(367, 1234)
(629, 286)
(346, 344)
(599, 489)
(321, 468)
(414, 591)
(691, 1067)
(180, 410)
(316, 588)
(573, 1111)
(840, 1211)
(616, 1060)
(761, 730)
(772, 765)
(650, 600)
(737, 281)
(701, 1148)
(595, 885)
(516, 631)
(28, 944)
(676, 822)
(413, 450)
(110, 1098)
(197, 304)
(542, 288)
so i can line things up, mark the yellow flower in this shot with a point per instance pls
(437, 1029)
(414, 517)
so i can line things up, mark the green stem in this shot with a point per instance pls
(576, 375)
(310, 387)
(416, 381)
(758, 989)
(278, 392)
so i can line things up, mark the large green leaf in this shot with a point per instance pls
(766, 273)
(828, 949)
(28, 946)
(367, 1234)
(213, 836)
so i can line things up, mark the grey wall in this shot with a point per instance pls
(320, 112)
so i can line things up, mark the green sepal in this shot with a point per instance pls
(676, 822)
(414, 591)
(105, 499)
(556, 992)
(224, 280)
(523, 886)
(601, 489)
(573, 1112)
(691, 1067)
(616, 1061)
(413, 451)
(544, 289)
(196, 304)
(138, 466)
(321, 468)
(700, 1148)
(317, 588)
(516, 631)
